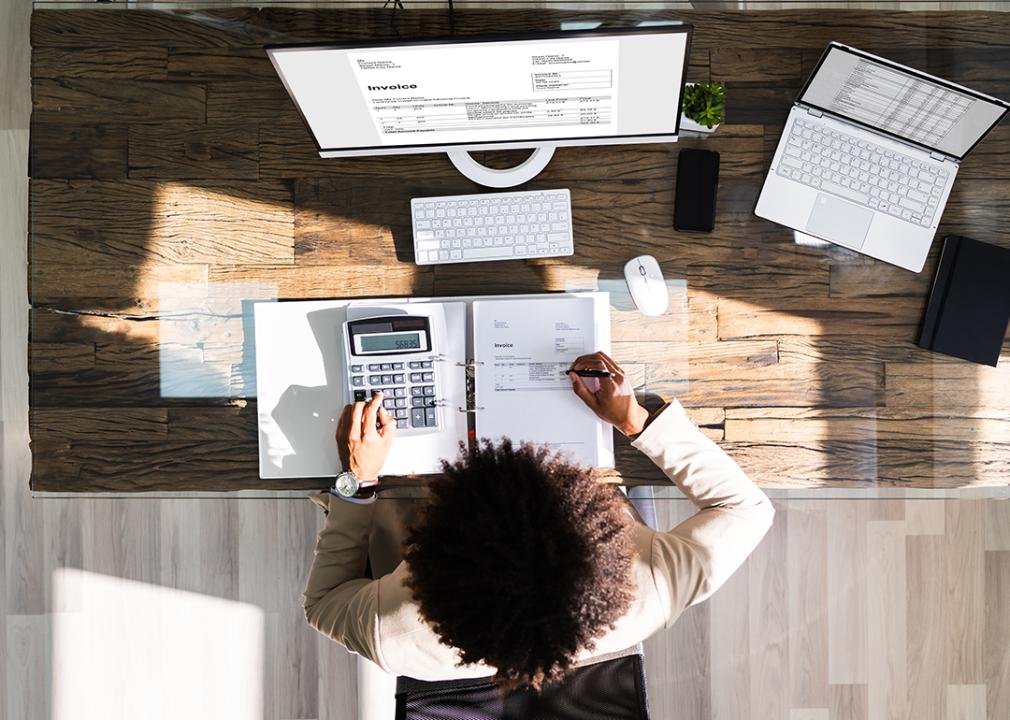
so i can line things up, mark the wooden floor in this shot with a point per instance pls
(849, 610)
(173, 183)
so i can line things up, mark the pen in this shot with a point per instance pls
(590, 373)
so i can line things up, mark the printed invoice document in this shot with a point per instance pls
(490, 91)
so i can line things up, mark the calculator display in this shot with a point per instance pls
(391, 341)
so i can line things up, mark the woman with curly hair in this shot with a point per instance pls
(521, 565)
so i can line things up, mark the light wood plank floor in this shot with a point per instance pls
(850, 609)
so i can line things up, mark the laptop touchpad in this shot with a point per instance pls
(839, 221)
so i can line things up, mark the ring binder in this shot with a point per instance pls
(470, 366)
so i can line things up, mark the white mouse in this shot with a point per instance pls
(646, 284)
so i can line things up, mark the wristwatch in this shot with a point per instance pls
(351, 488)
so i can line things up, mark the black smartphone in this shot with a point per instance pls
(697, 183)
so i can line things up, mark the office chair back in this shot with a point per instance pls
(612, 689)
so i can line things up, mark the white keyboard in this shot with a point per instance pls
(861, 171)
(492, 226)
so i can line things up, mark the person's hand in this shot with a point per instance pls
(614, 401)
(363, 448)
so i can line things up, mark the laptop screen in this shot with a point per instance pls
(900, 101)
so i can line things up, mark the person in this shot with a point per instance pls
(520, 565)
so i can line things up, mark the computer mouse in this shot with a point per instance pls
(646, 285)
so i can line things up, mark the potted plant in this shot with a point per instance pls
(704, 107)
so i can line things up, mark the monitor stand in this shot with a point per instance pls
(509, 177)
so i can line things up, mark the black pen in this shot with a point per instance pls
(590, 373)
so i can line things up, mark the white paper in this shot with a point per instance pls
(301, 380)
(522, 349)
(490, 91)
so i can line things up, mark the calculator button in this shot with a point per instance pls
(419, 402)
(401, 424)
(429, 417)
(415, 377)
(398, 366)
(400, 414)
(387, 366)
(374, 379)
(386, 379)
(374, 367)
(399, 392)
(416, 391)
(429, 390)
(398, 378)
(389, 403)
(415, 366)
(355, 368)
(426, 364)
(417, 417)
(375, 391)
(427, 377)
(359, 395)
(400, 402)
(358, 381)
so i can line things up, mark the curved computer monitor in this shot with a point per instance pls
(536, 90)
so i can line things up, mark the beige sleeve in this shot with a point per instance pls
(691, 561)
(339, 601)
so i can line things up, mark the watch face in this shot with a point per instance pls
(347, 484)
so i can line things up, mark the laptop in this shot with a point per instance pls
(869, 154)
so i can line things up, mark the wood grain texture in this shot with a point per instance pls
(194, 152)
(175, 184)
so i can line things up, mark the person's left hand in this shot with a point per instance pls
(363, 449)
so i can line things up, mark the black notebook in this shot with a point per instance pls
(969, 306)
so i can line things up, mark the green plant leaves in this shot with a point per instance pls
(705, 103)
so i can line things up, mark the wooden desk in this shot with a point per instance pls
(173, 184)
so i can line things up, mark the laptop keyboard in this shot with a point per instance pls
(867, 174)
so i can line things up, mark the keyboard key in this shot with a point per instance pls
(415, 377)
(414, 365)
(401, 424)
(397, 366)
(374, 367)
(429, 417)
(356, 368)
(427, 364)
(399, 392)
(428, 377)
(429, 390)
(359, 396)
(374, 379)
(417, 417)
(417, 391)
(358, 381)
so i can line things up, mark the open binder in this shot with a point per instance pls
(501, 363)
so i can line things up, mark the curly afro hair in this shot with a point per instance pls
(520, 560)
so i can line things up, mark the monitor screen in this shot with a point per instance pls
(571, 87)
(900, 101)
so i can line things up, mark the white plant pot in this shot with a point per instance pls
(689, 125)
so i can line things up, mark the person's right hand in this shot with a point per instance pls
(615, 401)
(363, 449)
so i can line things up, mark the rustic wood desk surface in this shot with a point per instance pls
(173, 184)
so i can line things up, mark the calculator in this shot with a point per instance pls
(394, 354)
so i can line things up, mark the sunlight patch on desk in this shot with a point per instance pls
(808, 240)
(134, 650)
(206, 346)
(656, 354)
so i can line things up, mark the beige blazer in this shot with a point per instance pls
(672, 571)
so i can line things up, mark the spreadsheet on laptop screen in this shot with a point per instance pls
(900, 103)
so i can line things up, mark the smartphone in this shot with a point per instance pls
(697, 183)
